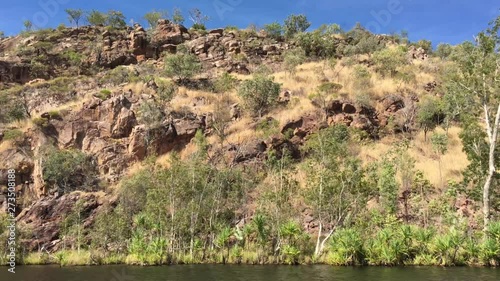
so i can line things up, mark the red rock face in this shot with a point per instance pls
(46, 216)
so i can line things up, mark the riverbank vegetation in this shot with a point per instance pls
(333, 203)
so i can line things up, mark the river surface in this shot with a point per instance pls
(247, 273)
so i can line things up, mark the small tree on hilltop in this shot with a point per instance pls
(295, 24)
(425, 44)
(443, 51)
(177, 16)
(182, 65)
(2, 35)
(115, 19)
(95, 18)
(153, 17)
(259, 94)
(74, 15)
(28, 25)
(198, 18)
(273, 30)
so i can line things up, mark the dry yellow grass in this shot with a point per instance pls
(198, 102)
(426, 160)
(240, 130)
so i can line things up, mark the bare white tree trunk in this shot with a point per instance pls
(492, 137)
(318, 240)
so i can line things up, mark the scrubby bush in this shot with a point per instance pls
(273, 30)
(430, 114)
(324, 94)
(151, 114)
(268, 127)
(40, 122)
(387, 61)
(54, 114)
(443, 51)
(292, 59)
(166, 90)
(225, 83)
(361, 42)
(426, 45)
(362, 78)
(259, 94)
(318, 43)
(119, 75)
(12, 134)
(104, 94)
(68, 170)
(182, 65)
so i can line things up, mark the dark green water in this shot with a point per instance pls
(246, 273)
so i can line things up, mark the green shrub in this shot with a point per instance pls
(387, 61)
(443, 51)
(104, 94)
(268, 127)
(446, 247)
(259, 94)
(362, 78)
(295, 24)
(182, 65)
(346, 248)
(54, 114)
(166, 90)
(225, 83)
(199, 26)
(362, 42)
(151, 114)
(119, 75)
(68, 170)
(292, 59)
(41, 122)
(273, 30)
(231, 28)
(12, 134)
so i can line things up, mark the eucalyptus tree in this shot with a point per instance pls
(478, 75)
(336, 185)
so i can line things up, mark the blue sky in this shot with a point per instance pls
(451, 21)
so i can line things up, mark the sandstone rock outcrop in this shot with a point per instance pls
(46, 216)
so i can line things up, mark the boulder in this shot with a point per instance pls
(391, 104)
(361, 122)
(250, 150)
(137, 143)
(285, 97)
(340, 119)
(281, 145)
(167, 32)
(235, 111)
(218, 31)
(417, 53)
